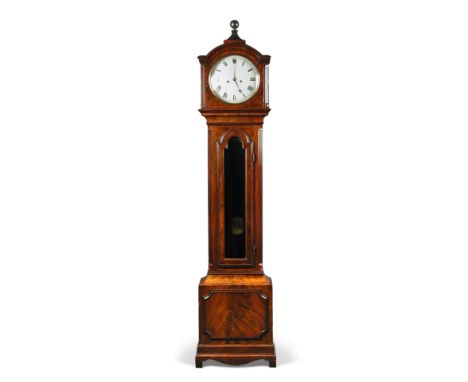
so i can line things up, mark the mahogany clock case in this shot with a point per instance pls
(244, 122)
(235, 298)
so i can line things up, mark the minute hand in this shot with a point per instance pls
(235, 80)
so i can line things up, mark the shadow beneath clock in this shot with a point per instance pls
(284, 356)
(284, 353)
(187, 353)
(260, 362)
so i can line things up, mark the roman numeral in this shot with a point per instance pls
(218, 70)
(250, 88)
(243, 63)
(225, 63)
(233, 97)
(218, 88)
(234, 60)
(250, 70)
(252, 78)
(225, 95)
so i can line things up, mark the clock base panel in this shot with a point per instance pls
(235, 319)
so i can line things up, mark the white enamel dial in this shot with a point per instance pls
(234, 79)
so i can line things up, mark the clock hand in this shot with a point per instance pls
(235, 80)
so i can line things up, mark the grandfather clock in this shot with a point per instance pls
(235, 298)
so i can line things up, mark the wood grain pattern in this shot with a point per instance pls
(211, 280)
(238, 325)
(239, 315)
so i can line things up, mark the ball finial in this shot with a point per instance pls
(234, 36)
(234, 24)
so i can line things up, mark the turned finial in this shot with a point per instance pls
(234, 25)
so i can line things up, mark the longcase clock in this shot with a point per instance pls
(235, 297)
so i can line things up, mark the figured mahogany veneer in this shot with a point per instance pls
(235, 317)
(235, 298)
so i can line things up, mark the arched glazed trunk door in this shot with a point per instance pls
(236, 158)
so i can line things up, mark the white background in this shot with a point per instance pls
(103, 188)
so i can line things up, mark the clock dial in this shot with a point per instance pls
(234, 79)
